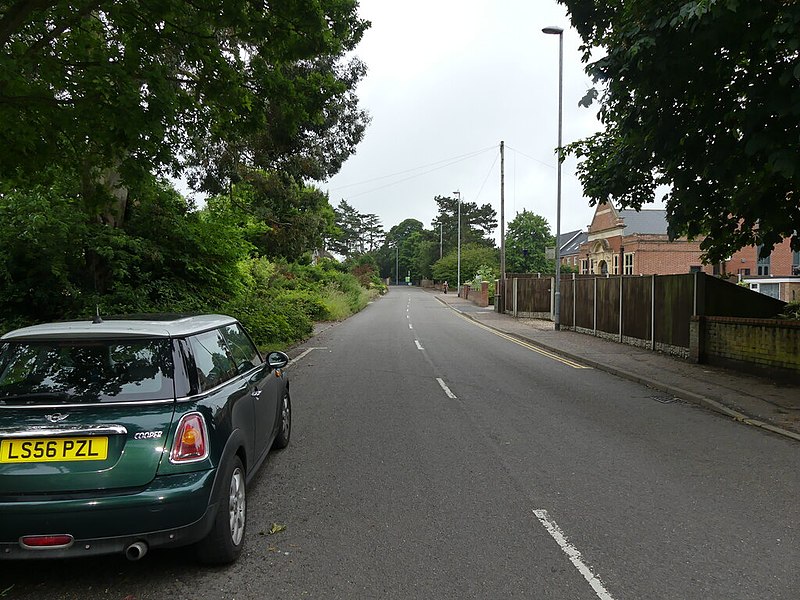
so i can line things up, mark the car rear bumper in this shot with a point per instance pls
(173, 511)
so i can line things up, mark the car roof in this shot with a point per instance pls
(142, 326)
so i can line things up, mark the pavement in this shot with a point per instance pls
(752, 400)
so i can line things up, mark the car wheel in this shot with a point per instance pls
(225, 541)
(284, 423)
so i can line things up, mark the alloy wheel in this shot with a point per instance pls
(237, 506)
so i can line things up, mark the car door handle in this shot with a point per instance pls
(256, 393)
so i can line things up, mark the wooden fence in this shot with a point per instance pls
(651, 311)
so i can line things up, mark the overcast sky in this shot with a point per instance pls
(447, 81)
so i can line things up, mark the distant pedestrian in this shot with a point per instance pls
(444, 287)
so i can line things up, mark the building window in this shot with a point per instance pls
(584, 266)
(695, 269)
(615, 264)
(744, 272)
(628, 264)
(763, 264)
(796, 263)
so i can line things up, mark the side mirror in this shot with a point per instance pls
(277, 360)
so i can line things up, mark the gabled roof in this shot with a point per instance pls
(570, 242)
(644, 221)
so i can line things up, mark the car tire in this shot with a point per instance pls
(284, 423)
(225, 541)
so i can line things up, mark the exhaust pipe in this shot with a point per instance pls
(135, 551)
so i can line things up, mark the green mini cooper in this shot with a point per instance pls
(130, 434)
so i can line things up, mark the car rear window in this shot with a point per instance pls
(85, 371)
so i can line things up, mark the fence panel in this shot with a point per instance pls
(674, 305)
(726, 299)
(608, 304)
(584, 297)
(637, 295)
(567, 303)
(533, 295)
(524, 295)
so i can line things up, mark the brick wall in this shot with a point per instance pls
(656, 255)
(747, 259)
(757, 345)
(478, 295)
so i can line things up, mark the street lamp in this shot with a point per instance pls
(557, 295)
(458, 277)
(397, 264)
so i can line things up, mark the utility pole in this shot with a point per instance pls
(502, 221)
(458, 282)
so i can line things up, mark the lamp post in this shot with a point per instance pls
(557, 294)
(458, 277)
(397, 264)
(441, 237)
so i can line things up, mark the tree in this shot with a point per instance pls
(355, 233)
(403, 230)
(56, 264)
(477, 223)
(703, 97)
(527, 237)
(400, 250)
(278, 216)
(113, 91)
(473, 258)
(373, 232)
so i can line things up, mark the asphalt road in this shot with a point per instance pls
(432, 458)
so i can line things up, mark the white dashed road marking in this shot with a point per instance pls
(446, 389)
(303, 354)
(572, 552)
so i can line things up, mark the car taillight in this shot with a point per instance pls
(46, 541)
(191, 439)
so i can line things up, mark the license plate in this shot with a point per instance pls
(37, 450)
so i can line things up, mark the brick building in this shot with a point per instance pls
(636, 243)
(570, 245)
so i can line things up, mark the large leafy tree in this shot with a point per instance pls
(278, 216)
(527, 237)
(57, 264)
(112, 90)
(702, 96)
(400, 250)
(475, 258)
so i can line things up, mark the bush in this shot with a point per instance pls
(791, 311)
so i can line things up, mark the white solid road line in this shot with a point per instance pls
(446, 389)
(302, 355)
(574, 555)
(419, 347)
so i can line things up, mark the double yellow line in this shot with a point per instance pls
(519, 342)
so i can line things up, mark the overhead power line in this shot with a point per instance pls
(541, 162)
(430, 168)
